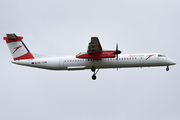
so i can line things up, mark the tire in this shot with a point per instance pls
(94, 77)
(167, 69)
(93, 69)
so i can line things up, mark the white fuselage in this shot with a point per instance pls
(73, 63)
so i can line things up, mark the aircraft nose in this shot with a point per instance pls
(171, 62)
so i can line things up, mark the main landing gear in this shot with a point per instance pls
(93, 69)
(167, 69)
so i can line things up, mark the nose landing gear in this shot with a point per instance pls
(167, 69)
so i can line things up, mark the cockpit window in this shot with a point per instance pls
(161, 55)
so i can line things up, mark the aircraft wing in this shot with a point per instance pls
(94, 45)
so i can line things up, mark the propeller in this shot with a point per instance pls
(117, 51)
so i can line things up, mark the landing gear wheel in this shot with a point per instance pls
(93, 69)
(94, 77)
(167, 69)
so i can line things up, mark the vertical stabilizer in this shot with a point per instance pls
(17, 48)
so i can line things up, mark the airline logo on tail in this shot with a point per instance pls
(16, 48)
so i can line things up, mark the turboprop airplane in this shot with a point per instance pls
(94, 58)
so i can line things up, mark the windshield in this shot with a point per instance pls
(161, 55)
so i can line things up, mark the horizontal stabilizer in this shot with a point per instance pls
(12, 36)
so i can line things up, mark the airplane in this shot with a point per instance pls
(94, 58)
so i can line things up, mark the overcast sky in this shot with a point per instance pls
(63, 28)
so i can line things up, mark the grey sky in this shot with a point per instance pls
(62, 28)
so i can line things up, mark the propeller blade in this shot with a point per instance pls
(117, 51)
(116, 46)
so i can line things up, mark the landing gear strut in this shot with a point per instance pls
(167, 69)
(93, 69)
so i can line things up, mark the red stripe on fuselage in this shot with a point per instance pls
(25, 56)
